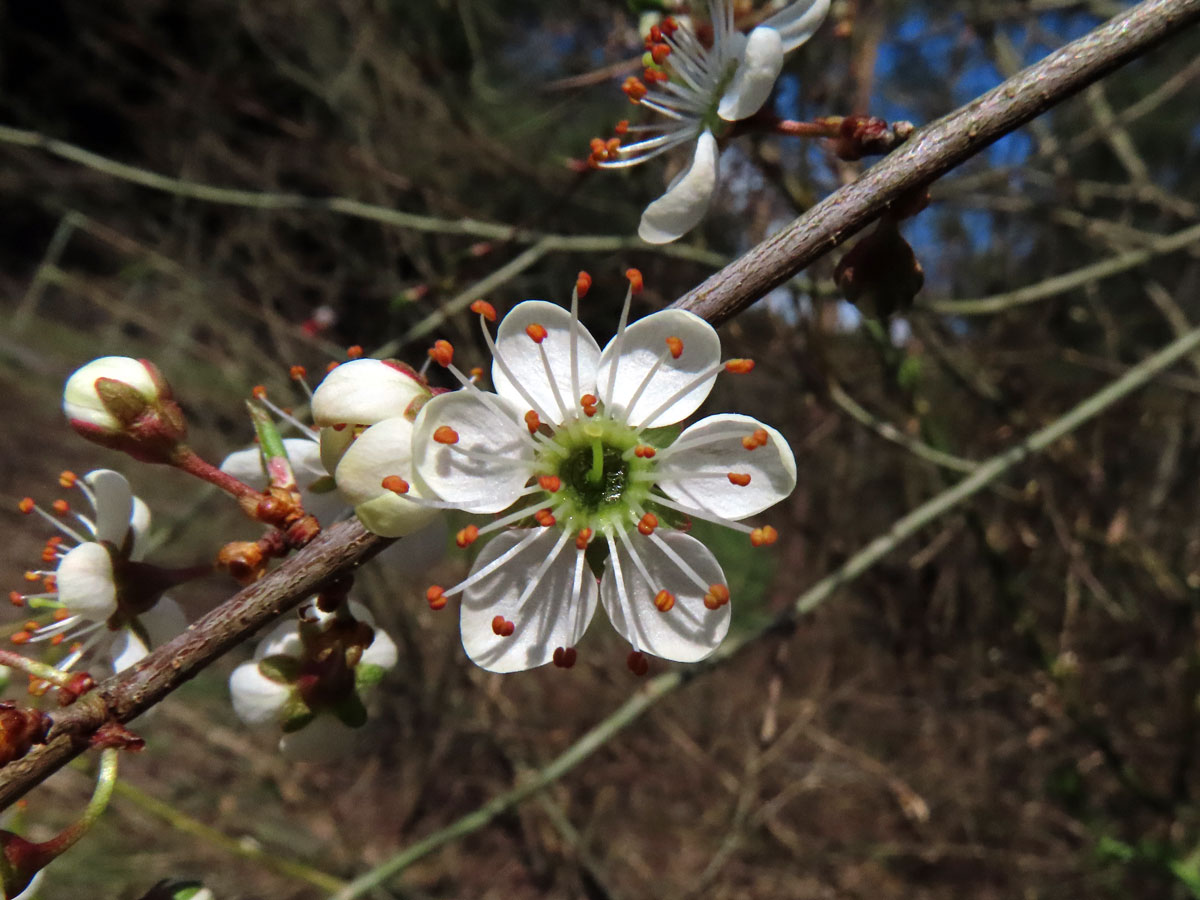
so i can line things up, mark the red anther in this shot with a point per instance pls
(588, 400)
(763, 537)
(57, 639)
(637, 662)
(717, 596)
(339, 426)
(62, 507)
(655, 36)
(635, 280)
(259, 391)
(583, 283)
(26, 505)
(54, 540)
(669, 26)
(549, 483)
(485, 309)
(297, 373)
(435, 596)
(741, 479)
(536, 332)
(333, 365)
(21, 637)
(621, 128)
(442, 353)
(67, 478)
(644, 451)
(582, 539)
(49, 555)
(354, 352)
(647, 523)
(502, 627)
(597, 147)
(659, 53)
(664, 600)
(675, 345)
(467, 536)
(739, 366)
(445, 435)
(545, 518)
(564, 657)
(532, 422)
(395, 484)
(634, 89)
(16, 599)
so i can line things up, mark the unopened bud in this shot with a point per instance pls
(881, 274)
(20, 729)
(124, 404)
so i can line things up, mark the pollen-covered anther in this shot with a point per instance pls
(445, 435)
(32, 576)
(67, 478)
(62, 507)
(668, 26)
(588, 402)
(259, 392)
(637, 662)
(634, 89)
(467, 536)
(549, 483)
(659, 53)
(476, 373)
(503, 627)
(532, 422)
(621, 128)
(644, 451)
(758, 439)
(739, 366)
(354, 352)
(485, 309)
(536, 332)
(16, 598)
(21, 637)
(763, 537)
(435, 596)
(647, 523)
(675, 345)
(26, 505)
(664, 600)
(333, 365)
(545, 518)
(636, 282)
(564, 657)
(582, 538)
(583, 281)
(717, 596)
(297, 373)
(442, 353)
(395, 484)
(741, 479)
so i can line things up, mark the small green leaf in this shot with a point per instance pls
(661, 437)
(323, 485)
(367, 675)
(280, 669)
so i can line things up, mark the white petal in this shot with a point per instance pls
(797, 22)
(282, 640)
(382, 652)
(545, 613)
(305, 458)
(486, 483)
(139, 527)
(410, 559)
(163, 621)
(519, 358)
(304, 455)
(686, 201)
(246, 466)
(85, 582)
(114, 505)
(334, 442)
(82, 403)
(760, 65)
(126, 650)
(324, 739)
(30, 892)
(699, 476)
(364, 391)
(382, 450)
(687, 632)
(257, 699)
(636, 354)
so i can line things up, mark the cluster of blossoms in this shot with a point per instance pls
(698, 82)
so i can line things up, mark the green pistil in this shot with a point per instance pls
(597, 470)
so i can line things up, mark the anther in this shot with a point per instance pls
(763, 537)
(536, 332)
(532, 422)
(21, 637)
(354, 352)
(669, 26)
(436, 597)
(476, 373)
(32, 576)
(664, 600)
(675, 345)
(395, 484)
(717, 596)
(297, 373)
(659, 53)
(634, 89)
(741, 479)
(621, 128)
(442, 353)
(635, 280)
(16, 599)
(544, 517)
(62, 507)
(26, 505)
(582, 539)
(739, 366)
(583, 283)
(502, 627)
(445, 435)
(61, 614)
(67, 478)
(588, 402)
(644, 451)
(564, 657)
(637, 662)
(549, 483)
(756, 440)
(647, 524)
(485, 309)
(467, 536)
(333, 365)
(260, 392)
(339, 426)
(57, 639)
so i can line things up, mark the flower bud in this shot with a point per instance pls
(124, 404)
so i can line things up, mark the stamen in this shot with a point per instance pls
(442, 353)
(588, 403)
(536, 332)
(354, 352)
(485, 309)
(467, 536)
(516, 382)
(395, 484)
(647, 523)
(620, 337)
(67, 478)
(696, 513)
(502, 627)
(259, 392)
(679, 561)
(717, 596)
(445, 435)
(436, 597)
(583, 281)
(741, 479)
(739, 366)
(636, 282)
(550, 483)
(564, 657)
(16, 599)
(675, 345)
(759, 438)
(297, 373)
(634, 89)
(664, 600)
(581, 539)
(26, 505)
(61, 507)
(329, 368)
(545, 517)
(763, 537)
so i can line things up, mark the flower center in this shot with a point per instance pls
(602, 482)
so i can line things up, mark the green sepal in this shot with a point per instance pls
(351, 711)
(294, 721)
(124, 402)
(663, 436)
(367, 676)
(280, 668)
(323, 485)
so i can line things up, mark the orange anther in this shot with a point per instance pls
(26, 505)
(62, 507)
(57, 639)
(61, 614)
(395, 484)
(596, 145)
(436, 597)
(54, 540)
(635, 280)
(32, 576)
(583, 283)
(549, 483)
(532, 422)
(669, 26)
(637, 662)
(297, 373)
(612, 148)
(49, 555)
(564, 657)
(647, 523)
(536, 332)
(581, 539)
(759, 438)
(445, 435)
(259, 391)
(545, 518)
(50, 583)
(634, 89)
(442, 353)
(664, 600)
(67, 478)
(644, 451)
(717, 596)
(622, 127)
(675, 345)
(21, 637)
(589, 400)
(739, 366)
(485, 309)
(31, 626)
(16, 599)
(467, 536)
(477, 372)
(354, 352)
(333, 365)
(502, 627)
(763, 537)
(659, 53)
(741, 479)
(655, 36)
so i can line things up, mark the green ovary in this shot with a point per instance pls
(599, 486)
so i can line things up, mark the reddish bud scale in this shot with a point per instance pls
(445, 435)
(536, 332)
(502, 627)
(741, 479)
(442, 353)
(549, 483)
(739, 366)
(675, 345)
(532, 422)
(582, 539)
(637, 662)
(485, 309)
(435, 596)
(664, 600)
(354, 352)
(636, 282)
(467, 536)
(395, 484)
(564, 657)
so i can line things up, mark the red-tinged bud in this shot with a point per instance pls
(116, 736)
(244, 560)
(20, 729)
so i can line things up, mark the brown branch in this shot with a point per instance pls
(936, 149)
(929, 154)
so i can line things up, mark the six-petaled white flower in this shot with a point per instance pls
(572, 448)
(698, 88)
